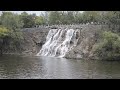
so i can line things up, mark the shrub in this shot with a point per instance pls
(10, 40)
(108, 47)
(3, 32)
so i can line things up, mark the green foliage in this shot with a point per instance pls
(78, 18)
(112, 17)
(39, 20)
(54, 17)
(11, 21)
(72, 17)
(10, 25)
(3, 32)
(25, 20)
(28, 20)
(10, 34)
(61, 17)
(91, 16)
(109, 46)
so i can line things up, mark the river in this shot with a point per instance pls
(24, 67)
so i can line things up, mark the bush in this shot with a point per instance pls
(3, 32)
(108, 47)
(10, 40)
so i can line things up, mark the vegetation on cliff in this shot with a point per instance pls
(108, 48)
(10, 34)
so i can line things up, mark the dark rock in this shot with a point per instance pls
(34, 38)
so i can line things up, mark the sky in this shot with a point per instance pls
(29, 12)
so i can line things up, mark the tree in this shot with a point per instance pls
(10, 35)
(112, 18)
(45, 16)
(91, 16)
(54, 17)
(63, 18)
(109, 46)
(39, 20)
(28, 20)
(11, 21)
(78, 18)
(70, 17)
(4, 33)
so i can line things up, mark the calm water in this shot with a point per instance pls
(19, 67)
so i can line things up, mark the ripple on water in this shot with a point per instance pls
(19, 67)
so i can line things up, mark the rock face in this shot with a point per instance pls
(88, 37)
(34, 38)
(60, 41)
(71, 42)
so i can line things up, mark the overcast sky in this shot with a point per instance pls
(30, 12)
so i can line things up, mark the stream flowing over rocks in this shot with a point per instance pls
(70, 42)
(59, 42)
(34, 38)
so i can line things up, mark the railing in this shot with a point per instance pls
(69, 25)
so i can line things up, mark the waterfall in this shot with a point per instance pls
(59, 42)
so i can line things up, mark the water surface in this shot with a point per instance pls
(21, 67)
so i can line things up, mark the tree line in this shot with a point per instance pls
(25, 20)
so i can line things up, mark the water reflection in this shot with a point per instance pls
(19, 67)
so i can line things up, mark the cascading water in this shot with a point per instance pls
(59, 42)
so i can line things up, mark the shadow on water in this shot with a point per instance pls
(20, 67)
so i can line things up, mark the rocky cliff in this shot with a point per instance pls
(89, 35)
(71, 42)
(35, 38)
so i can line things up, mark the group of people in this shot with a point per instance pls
(70, 25)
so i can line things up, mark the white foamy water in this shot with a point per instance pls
(59, 42)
